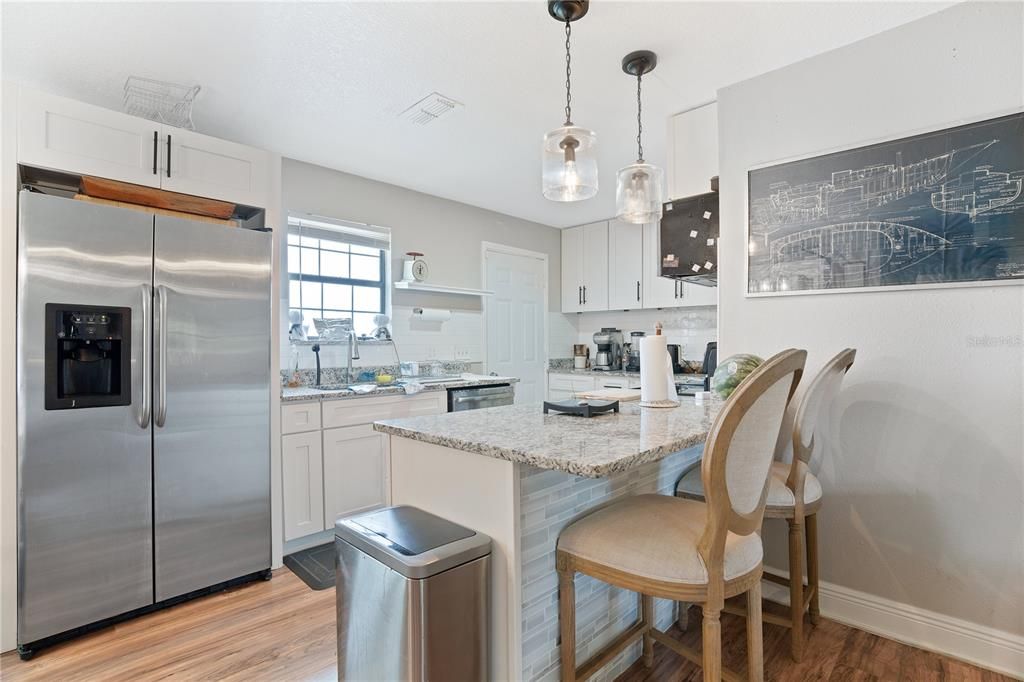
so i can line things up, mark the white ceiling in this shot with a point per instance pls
(324, 82)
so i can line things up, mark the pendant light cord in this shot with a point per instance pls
(568, 74)
(639, 122)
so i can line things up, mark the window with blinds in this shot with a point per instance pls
(337, 269)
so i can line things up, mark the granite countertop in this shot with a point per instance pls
(311, 393)
(593, 448)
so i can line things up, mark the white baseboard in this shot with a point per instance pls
(983, 646)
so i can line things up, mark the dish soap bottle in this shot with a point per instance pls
(295, 381)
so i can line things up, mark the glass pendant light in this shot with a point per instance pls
(569, 171)
(639, 187)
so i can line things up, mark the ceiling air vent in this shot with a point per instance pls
(429, 109)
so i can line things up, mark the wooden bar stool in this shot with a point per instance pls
(794, 494)
(671, 548)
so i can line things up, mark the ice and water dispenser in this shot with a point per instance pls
(88, 356)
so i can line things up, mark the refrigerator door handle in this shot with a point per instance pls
(147, 357)
(160, 342)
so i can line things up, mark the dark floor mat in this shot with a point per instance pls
(314, 565)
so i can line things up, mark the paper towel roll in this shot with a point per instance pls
(654, 364)
(431, 314)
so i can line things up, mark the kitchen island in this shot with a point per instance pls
(521, 476)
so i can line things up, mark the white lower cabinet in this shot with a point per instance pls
(302, 476)
(356, 469)
(334, 463)
(566, 386)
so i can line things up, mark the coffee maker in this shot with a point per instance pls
(609, 349)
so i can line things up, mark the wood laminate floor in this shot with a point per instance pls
(282, 630)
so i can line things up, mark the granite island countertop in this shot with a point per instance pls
(302, 393)
(593, 448)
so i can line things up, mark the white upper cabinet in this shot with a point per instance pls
(625, 265)
(65, 135)
(207, 166)
(62, 134)
(595, 266)
(585, 268)
(572, 270)
(698, 295)
(693, 160)
(659, 292)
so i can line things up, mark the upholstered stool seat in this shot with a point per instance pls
(655, 537)
(780, 496)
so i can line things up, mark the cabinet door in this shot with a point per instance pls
(59, 133)
(694, 155)
(355, 471)
(697, 295)
(625, 265)
(595, 266)
(302, 480)
(572, 272)
(208, 167)
(659, 292)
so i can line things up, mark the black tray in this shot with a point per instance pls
(582, 408)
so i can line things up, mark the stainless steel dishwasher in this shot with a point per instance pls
(479, 397)
(412, 597)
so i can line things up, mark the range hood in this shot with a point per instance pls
(689, 239)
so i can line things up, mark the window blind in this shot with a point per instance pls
(360, 234)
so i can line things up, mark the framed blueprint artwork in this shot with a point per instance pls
(940, 208)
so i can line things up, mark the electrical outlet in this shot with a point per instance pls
(432, 353)
(462, 353)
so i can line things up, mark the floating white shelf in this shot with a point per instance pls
(440, 289)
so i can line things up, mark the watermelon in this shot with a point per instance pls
(731, 373)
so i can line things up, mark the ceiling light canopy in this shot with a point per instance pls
(569, 170)
(639, 187)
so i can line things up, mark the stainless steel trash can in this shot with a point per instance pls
(412, 597)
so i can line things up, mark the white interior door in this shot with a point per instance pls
(516, 319)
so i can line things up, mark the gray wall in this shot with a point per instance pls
(924, 458)
(449, 233)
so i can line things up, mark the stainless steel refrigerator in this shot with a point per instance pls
(143, 412)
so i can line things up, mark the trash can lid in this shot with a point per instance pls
(413, 542)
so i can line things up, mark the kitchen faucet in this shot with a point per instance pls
(353, 352)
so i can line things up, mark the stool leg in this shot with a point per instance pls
(567, 624)
(755, 647)
(712, 645)
(647, 617)
(796, 588)
(812, 565)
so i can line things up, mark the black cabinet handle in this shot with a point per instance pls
(584, 294)
(156, 143)
(579, 295)
(638, 290)
(168, 155)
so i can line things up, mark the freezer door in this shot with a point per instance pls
(211, 404)
(84, 472)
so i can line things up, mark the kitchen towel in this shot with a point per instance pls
(657, 385)
(431, 314)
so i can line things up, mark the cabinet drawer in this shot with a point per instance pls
(352, 412)
(570, 382)
(300, 417)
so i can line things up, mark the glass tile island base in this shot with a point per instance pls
(520, 477)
